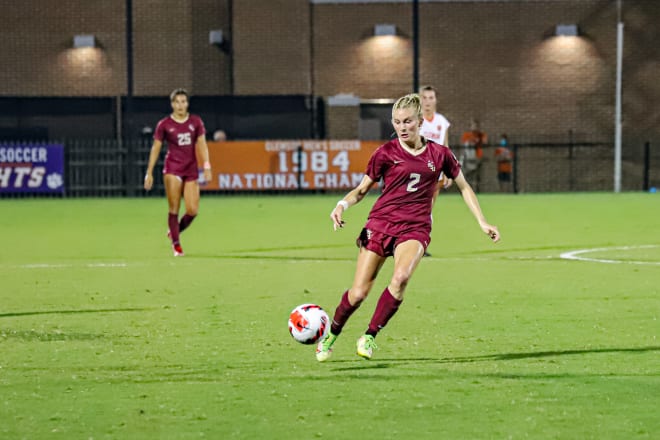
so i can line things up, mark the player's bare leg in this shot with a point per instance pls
(191, 201)
(407, 256)
(174, 189)
(368, 265)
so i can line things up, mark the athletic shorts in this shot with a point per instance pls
(504, 177)
(384, 244)
(184, 178)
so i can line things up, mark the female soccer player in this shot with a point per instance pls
(186, 143)
(399, 223)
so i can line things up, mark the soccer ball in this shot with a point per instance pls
(308, 323)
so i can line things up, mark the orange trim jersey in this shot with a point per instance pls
(435, 129)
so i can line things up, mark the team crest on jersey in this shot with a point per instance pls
(431, 166)
(191, 127)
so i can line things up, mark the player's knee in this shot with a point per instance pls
(400, 278)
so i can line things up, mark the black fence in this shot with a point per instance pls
(241, 117)
(111, 168)
(569, 167)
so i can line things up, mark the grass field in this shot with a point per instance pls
(104, 335)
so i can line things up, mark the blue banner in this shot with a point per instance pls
(27, 168)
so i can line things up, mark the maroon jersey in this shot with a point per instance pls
(408, 185)
(181, 138)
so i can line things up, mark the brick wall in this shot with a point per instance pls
(342, 121)
(162, 41)
(271, 47)
(37, 56)
(490, 60)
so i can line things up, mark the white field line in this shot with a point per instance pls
(578, 255)
(571, 255)
(178, 263)
(65, 266)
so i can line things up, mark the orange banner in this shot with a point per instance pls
(288, 165)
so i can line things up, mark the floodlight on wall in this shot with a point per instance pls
(216, 37)
(381, 30)
(84, 40)
(567, 30)
(219, 39)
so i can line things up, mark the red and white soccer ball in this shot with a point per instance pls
(308, 323)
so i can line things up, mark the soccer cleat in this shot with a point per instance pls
(323, 348)
(365, 346)
(176, 248)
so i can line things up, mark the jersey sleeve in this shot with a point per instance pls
(159, 132)
(200, 129)
(450, 166)
(376, 165)
(444, 122)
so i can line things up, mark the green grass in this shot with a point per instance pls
(104, 335)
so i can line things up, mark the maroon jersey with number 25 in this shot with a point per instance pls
(409, 182)
(181, 138)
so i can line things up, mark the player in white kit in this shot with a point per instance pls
(435, 127)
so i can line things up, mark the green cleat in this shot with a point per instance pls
(323, 348)
(365, 346)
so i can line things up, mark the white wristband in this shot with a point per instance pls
(343, 203)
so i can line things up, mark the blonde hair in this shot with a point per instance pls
(412, 101)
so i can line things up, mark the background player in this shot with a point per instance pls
(435, 128)
(399, 223)
(186, 143)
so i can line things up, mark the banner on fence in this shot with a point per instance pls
(288, 165)
(26, 168)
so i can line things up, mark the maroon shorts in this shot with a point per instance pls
(384, 244)
(186, 177)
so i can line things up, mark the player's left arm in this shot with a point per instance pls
(471, 201)
(202, 151)
(445, 182)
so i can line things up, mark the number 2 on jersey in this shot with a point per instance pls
(414, 180)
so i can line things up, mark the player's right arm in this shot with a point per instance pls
(153, 158)
(353, 197)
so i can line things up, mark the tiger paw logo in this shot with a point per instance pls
(431, 166)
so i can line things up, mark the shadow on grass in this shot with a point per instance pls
(69, 312)
(56, 335)
(386, 363)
